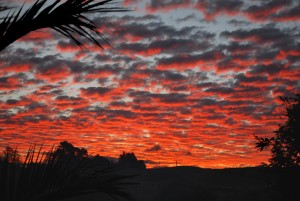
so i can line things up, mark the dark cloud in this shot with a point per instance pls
(289, 14)
(120, 113)
(267, 34)
(10, 83)
(267, 9)
(270, 69)
(187, 18)
(241, 78)
(212, 8)
(235, 47)
(67, 98)
(143, 96)
(167, 5)
(220, 90)
(207, 102)
(144, 18)
(156, 147)
(183, 61)
(175, 46)
(168, 75)
(150, 162)
(144, 28)
(12, 101)
(95, 90)
(239, 23)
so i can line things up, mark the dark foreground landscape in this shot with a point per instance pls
(196, 184)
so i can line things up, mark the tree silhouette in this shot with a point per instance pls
(66, 17)
(130, 160)
(67, 150)
(286, 143)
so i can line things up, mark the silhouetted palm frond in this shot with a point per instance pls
(263, 143)
(67, 17)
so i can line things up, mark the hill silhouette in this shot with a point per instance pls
(196, 184)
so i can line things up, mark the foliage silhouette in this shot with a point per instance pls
(66, 17)
(42, 178)
(130, 160)
(66, 149)
(10, 155)
(286, 143)
(101, 161)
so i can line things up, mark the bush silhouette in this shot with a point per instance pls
(130, 160)
(285, 146)
(66, 149)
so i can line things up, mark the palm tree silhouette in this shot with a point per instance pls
(67, 17)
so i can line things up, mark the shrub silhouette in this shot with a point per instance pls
(130, 160)
(66, 149)
(285, 146)
(75, 154)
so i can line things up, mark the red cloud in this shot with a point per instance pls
(68, 48)
(63, 103)
(184, 61)
(54, 74)
(9, 83)
(97, 93)
(17, 68)
(38, 36)
(274, 10)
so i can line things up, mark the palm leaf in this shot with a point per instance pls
(68, 18)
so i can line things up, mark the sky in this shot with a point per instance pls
(190, 81)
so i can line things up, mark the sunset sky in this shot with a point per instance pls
(190, 81)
